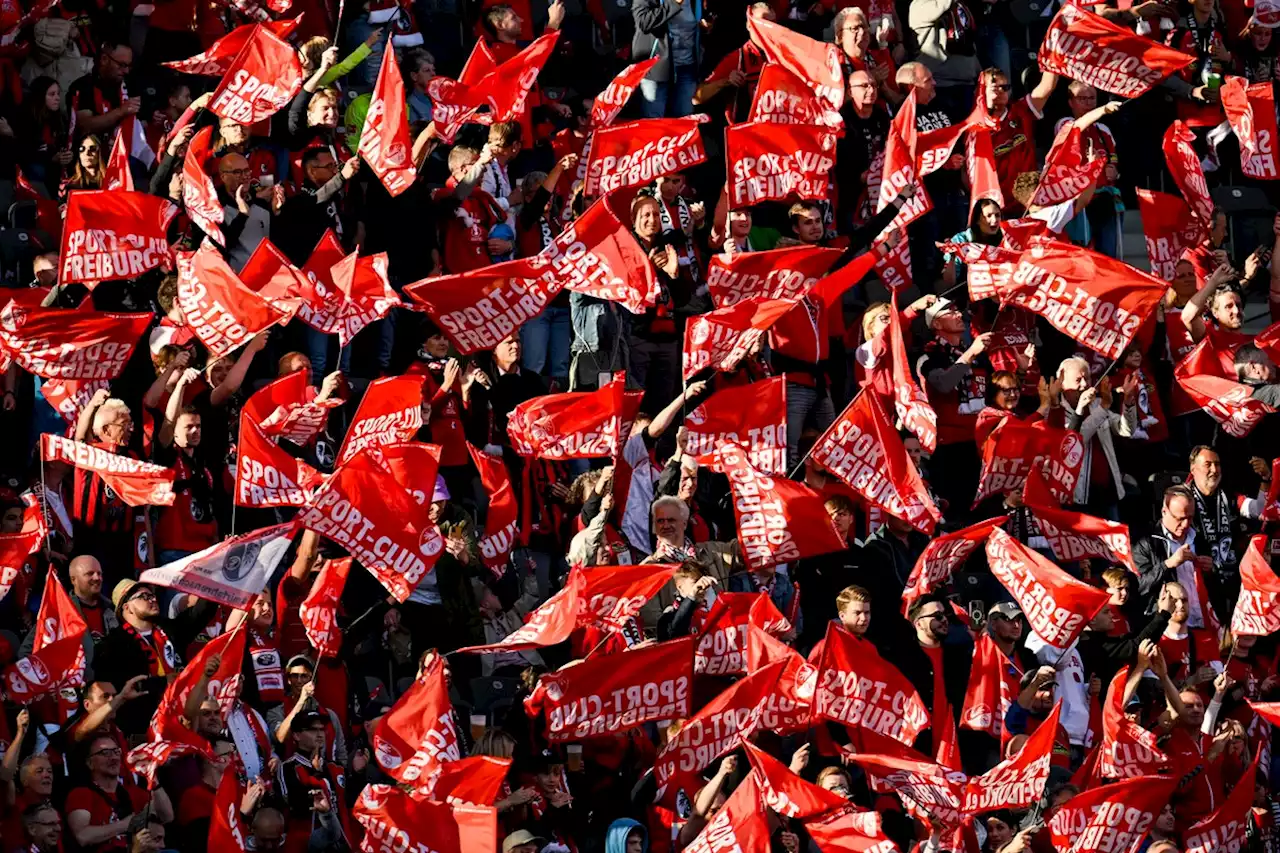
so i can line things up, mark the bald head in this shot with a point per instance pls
(862, 91)
(86, 577)
(234, 171)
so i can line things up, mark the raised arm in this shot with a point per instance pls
(667, 416)
(1039, 96)
(235, 376)
(1193, 311)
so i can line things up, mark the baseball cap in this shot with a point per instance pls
(1005, 610)
(931, 313)
(519, 837)
(442, 490)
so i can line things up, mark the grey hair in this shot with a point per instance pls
(107, 412)
(906, 75)
(672, 502)
(837, 25)
(1077, 360)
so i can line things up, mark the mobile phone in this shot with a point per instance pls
(154, 685)
(267, 181)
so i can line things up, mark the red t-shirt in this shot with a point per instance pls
(1177, 652)
(1200, 792)
(195, 803)
(1014, 144)
(104, 808)
(465, 233)
(187, 525)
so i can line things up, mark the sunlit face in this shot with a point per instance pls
(1177, 515)
(104, 758)
(836, 783)
(841, 518)
(809, 227)
(89, 154)
(235, 172)
(855, 35)
(670, 186)
(996, 92)
(1118, 595)
(862, 92)
(187, 431)
(1206, 470)
(1008, 393)
(949, 320)
(667, 523)
(119, 429)
(262, 615)
(232, 133)
(989, 219)
(1184, 280)
(739, 224)
(1083, 101)
(856, 617)
(932, 621)
(1227, 310)
(322, 112)
(86, 577)
(37, 775)
(218, 370)
(648, 222)
(1075, 377)
(1195, 708)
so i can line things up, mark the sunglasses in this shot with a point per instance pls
(1003, 87)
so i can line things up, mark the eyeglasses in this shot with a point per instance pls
(109, 752)
(239, 173)
(855, 28)
(125, 65)
(1014, 391)
(862, 85)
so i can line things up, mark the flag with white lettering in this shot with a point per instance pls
(1251, 111)
(231, 573)
(930, 792)
(607, 105)
(575, 425)
(909, 401)
(135, 482)
(788, 273)
(216, 306)
(753, 415)
(942, 556)
(993, 684)
(1016, 447)
(1227, 401)
(384, 138)
(785, 792)
(215, 61)
(779, 520)
(1169, 228)
(849, 831)
(199, 196)
(551, 623)
(720, 339)
(1095, 300)
(1113, 818)
(319, 610)
(1107, 56)
(900, 170)
(1257, 610)
(863, 450)
(262, 79)
(1127, 750)
(607, 694)
(862, 690)
(502, 521)
(613, 595)
(1068, 171)
(68, 343)
(639, 152)
(739, 826)
(722, 637)
(782, 97)
(113, 235)
(1057, 606)
(778, 162)
(116, 174)
(1184, 164)
(817, 63)
(1228, 827)
(419, 734)
(267, 476)
(390, 410)
(1017, 782)
(365, 510)
(57, 619)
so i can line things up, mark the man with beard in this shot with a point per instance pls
(1217, 521)
(938, 669)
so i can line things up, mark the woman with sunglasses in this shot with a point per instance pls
(87, 172)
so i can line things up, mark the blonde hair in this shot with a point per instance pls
(496, 743)
(108, 412)
(875, 309)
(311, 51)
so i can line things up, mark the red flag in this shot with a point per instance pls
(503, 88)
(909, 402)
(775, 274)
(1127, 749)
(575, 425)
(282, 409)
(607, 105)
(1107, 56)
(863, 691)
(267, 476)
(48, 219)
(1227, 827)
(900, 170)
(224, 688)
(319, 610)
(1169, 227)
(146, 759)
(849, 831)
(269, 273)
(1184, 165)
(502, 524)
(1016, 447)
(116, 175)
(262, 79)
(607, 694)
(68, 397)
(418, 735)
(1095, 300)
(227, 832)
(341, 295)
(1057, 606)
(980, 163)
(1258, 607)
(389, 411)
(215, 61)
(612, 595)
(722, 638)
(894, 266)
(934, 147)
(58, 619)
(551, 623)
(785, 792)
(782, 97)
(1017, 782)
(789, 708)
(1067, 170)
(476, 780)
(384, 140)
(1113, 818)
(721, 726)
(930, 792)
(67, 343)
(136, 483)
(1260, 162)
(1074, 535)
(739, 825)
(778, 162)
(1228, 402)
(199, 196)
(14, 550)
(41, 673)
(637, 152)
(595, 255)
(232, 572)
(754, 416)
(395, 820)
(816, 63)
(863, 450)
(993, 685)
(364, 509)
(113, 235)
(720, 339)
(216, 306)
(942, 556)
(779, 520)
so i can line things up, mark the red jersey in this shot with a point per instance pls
(1014, 143)
(1200, 791)
(104, 808)
(465, 230)
(188, 524)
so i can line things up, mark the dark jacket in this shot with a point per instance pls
(1149, 554)
(1103, 655)
(650, 39)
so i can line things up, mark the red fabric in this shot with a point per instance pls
(100, 807)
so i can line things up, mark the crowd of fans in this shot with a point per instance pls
(300, 737)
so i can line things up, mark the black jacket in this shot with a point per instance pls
(1149, 554)
(650, 39)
